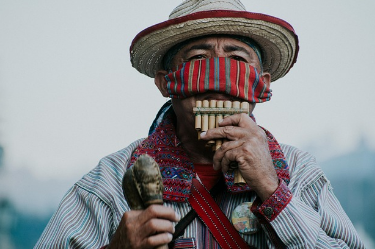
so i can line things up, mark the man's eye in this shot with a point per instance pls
(238, 58)
(196, 57)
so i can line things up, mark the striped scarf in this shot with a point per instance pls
(219, 74)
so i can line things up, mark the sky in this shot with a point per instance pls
(69, 96)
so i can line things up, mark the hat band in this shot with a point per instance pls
(219, 74)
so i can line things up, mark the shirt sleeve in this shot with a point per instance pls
(91, 211)
(81, 221)
(272, 207)
(311, 217)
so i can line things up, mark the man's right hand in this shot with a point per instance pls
(145, 228)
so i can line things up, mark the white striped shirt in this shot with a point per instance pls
(90, 212)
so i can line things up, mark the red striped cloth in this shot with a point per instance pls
(220, 74)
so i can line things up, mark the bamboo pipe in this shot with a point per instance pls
(208, 116)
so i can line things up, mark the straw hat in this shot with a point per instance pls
(195, 18)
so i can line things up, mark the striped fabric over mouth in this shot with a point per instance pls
(219, 74)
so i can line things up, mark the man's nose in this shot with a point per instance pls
(219, 53)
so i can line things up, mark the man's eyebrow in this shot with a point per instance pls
(232, 48)
(203, 46)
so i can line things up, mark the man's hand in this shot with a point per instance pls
(145, 228)
(246, 144)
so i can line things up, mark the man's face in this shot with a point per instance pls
(206, 48)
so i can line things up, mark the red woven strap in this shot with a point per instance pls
(215, 220)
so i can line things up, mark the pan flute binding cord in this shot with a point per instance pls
(219, 74)
(208, 116)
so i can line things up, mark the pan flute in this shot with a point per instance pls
(208, 114)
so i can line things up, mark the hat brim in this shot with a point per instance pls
(276, 38)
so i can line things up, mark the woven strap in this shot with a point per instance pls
(215, 220)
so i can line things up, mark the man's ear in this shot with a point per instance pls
(161, 83)
(267, 79)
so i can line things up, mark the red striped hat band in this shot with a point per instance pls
(219, 74)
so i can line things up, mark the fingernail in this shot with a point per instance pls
(203, 134)
(178, 217)
(170, 236)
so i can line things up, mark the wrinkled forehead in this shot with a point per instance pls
(168, 57)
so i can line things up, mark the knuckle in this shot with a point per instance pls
(211, 131)
(224, 147)
(228, 129)
(241, 160)
(127, 219)
(227, 154)
(208, 132)
(228, 157)
(244, 116)
(217, 164)
(149, 241)
(126, 216)
(153, 224)
(247, 149)
(152, 210)
(161, 238)
(129, 227)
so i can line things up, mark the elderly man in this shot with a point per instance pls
(209, 50)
